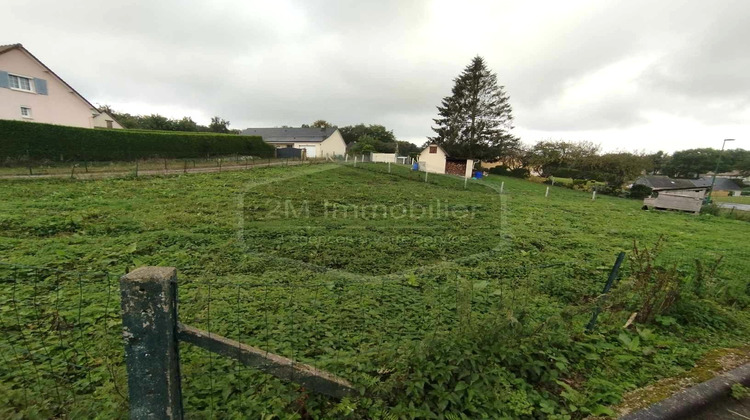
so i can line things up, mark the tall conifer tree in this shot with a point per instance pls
(475, 121)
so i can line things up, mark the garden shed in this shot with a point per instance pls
(435, 159)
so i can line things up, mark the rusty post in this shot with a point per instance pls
(149, 328)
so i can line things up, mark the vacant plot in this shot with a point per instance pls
(431, 297)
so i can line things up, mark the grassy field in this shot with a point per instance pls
(431, 297)
(739, 200)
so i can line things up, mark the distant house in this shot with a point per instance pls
(435, 159)
(31, 91)
(432, 159)
(726, 186)
(722, 185)
(316, 142)
(660, 182)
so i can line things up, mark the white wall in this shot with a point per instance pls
(433, 162)
(469, 168)
(59, 106)
(101, 121)
(383, 157)
(333, 145)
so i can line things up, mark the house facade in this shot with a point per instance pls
(432, 159)
(316, 142)
(435, 159)
(31, 91)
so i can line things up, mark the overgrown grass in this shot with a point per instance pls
(432, 297)
(733, 199)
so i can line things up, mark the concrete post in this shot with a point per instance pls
(149, 327)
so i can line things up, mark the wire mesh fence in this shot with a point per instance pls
(62, 349)
(156, 166)
(61, 343)
(355, 329)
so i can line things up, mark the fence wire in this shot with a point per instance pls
(62, 349)
(354, 329)
(61, 344)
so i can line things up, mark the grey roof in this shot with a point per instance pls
(5, 48)
(287, 135)
(722, 184)
(659, 182)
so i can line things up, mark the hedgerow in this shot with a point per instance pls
(24, 141)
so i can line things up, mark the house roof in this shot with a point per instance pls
(291, 134)
(722, 184)
(658, 182)
(9, 47)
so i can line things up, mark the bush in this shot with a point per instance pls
(711, 208)
(639, 192)
(505, 171)
(20, 140)
(564, 172)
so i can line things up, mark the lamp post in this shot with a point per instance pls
(718, 162)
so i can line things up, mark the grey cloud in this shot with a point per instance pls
(290, 62)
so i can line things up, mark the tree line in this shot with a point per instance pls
(162, 123)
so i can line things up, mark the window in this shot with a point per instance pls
(109, 123)
(433, 149)
(20, 83)
(25, 112)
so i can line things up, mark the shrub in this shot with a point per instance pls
(712, 209)
(564, 172)
(639, 192)
(20, 140)
(500, 170)
(505, 171)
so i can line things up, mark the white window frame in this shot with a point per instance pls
(29, 115)
(31, 83)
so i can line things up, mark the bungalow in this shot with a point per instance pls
(30, 91)
(722, 186)
(316, 142)
(435, 159)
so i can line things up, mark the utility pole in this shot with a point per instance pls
(718, 162)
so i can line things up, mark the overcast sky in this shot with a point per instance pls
(629, 75)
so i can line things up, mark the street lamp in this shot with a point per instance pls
(718, 162)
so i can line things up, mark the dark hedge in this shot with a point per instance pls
(21, 140)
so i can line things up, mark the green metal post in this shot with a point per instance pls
(149, 327)
(607, 287)
(718, 162)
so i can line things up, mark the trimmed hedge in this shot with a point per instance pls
(21, 140)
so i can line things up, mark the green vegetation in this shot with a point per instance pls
(83, 169)
(23, 141)
(162, 123)
(733, 199)
(434, 300)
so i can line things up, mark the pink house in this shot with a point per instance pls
(30, 91)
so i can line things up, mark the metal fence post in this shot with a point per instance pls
(149, 328)
(610, 281)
